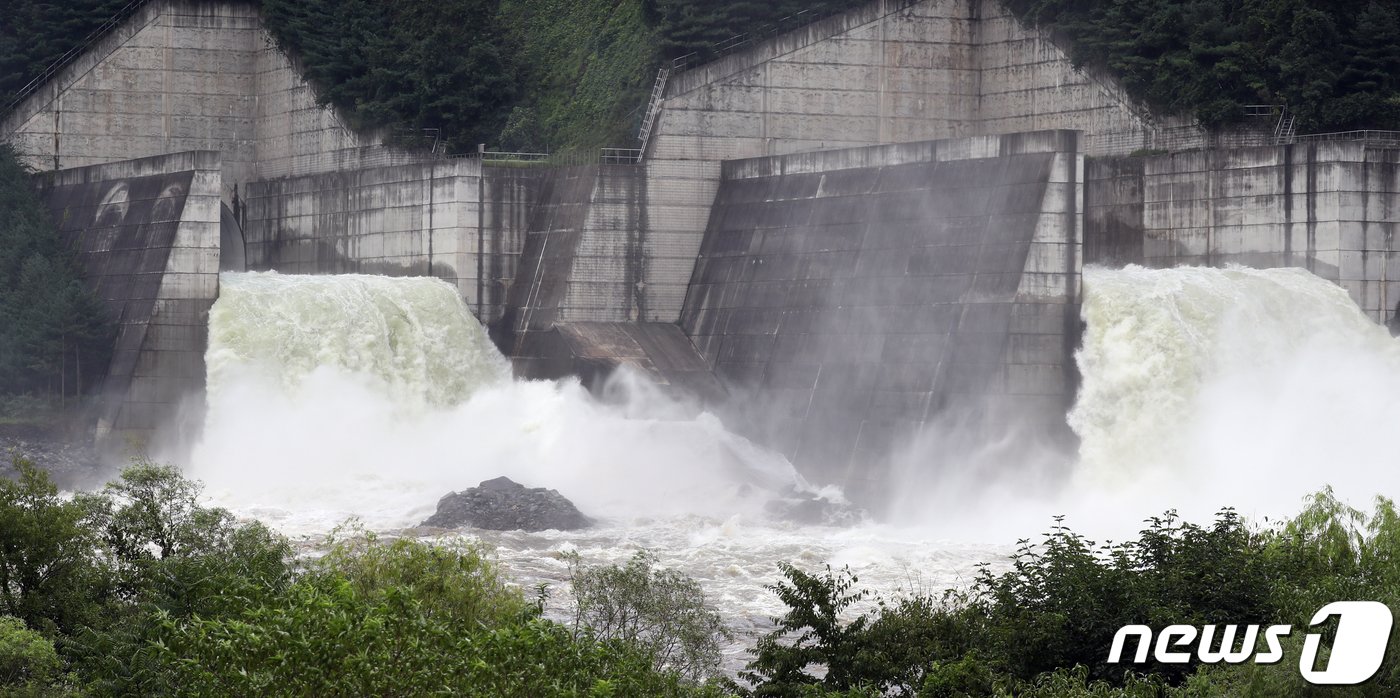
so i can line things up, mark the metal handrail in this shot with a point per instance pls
(620, 156)
(72, 54)
(1371, 135)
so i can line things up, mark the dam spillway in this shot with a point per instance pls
(860, 294)
(650, 273)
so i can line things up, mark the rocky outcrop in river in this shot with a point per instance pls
(502, 504)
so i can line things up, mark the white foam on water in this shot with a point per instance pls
(1240, 387)
(332, 397)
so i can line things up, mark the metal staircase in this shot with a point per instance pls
(658, 91)
(1285, 131)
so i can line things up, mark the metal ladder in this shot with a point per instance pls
(658, 90)
(1285, 130)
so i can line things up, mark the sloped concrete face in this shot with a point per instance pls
(1332, 208)
(179, 76)
(890, 71)
(583, 254)
(145, 234)
(858, 295)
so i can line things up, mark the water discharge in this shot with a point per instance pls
(358, 395)
(332, 397)
(1244, 387)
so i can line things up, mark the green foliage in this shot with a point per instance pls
(34, 34)
(1044, 627)
(696, 26)
(96, 570)
(27, 659)
(140, 590)
(1063, 600)
(56, 338)
(661, 611)
(455, 583)
(414, 64)
(1334, 64)
(812, 633)
(398, 618)
(49, 576)
(585, 68)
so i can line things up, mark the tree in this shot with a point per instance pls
(812, 633)
(57, 336)
(661, 611)
(49, 577)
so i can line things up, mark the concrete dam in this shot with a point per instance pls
(838, 236)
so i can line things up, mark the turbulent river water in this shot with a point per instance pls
(333, 397)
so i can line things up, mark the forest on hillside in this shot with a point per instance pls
(537, 75)
(568, 74)
(1334, 63)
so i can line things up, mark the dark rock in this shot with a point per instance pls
(502, 504)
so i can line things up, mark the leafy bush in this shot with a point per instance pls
(49, 576)
(452, 580)
(27, 659)
(398, 618)
(819, 637)
(1044, 627)
(663, 612)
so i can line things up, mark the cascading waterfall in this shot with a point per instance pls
(1251, 388)
(333, 396)
(409, 339)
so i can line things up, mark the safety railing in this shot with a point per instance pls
(1366, 135)
(72, 54)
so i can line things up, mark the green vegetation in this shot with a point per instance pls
(661, 611)
(34, 34)
(698, 26)
(139, 590)
(1044, 627)
(1335, 64)
(56, 339)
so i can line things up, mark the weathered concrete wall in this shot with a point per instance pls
(146, 235)
(582, 255)
(508, 197)
(1332, 208)
(861, 293)
(177, 76)
(425, 219)
(181, 76)
(407, 220)
(890, 71)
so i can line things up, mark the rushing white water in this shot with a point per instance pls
(333, 397)
(371, 397)
(1208, 387)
